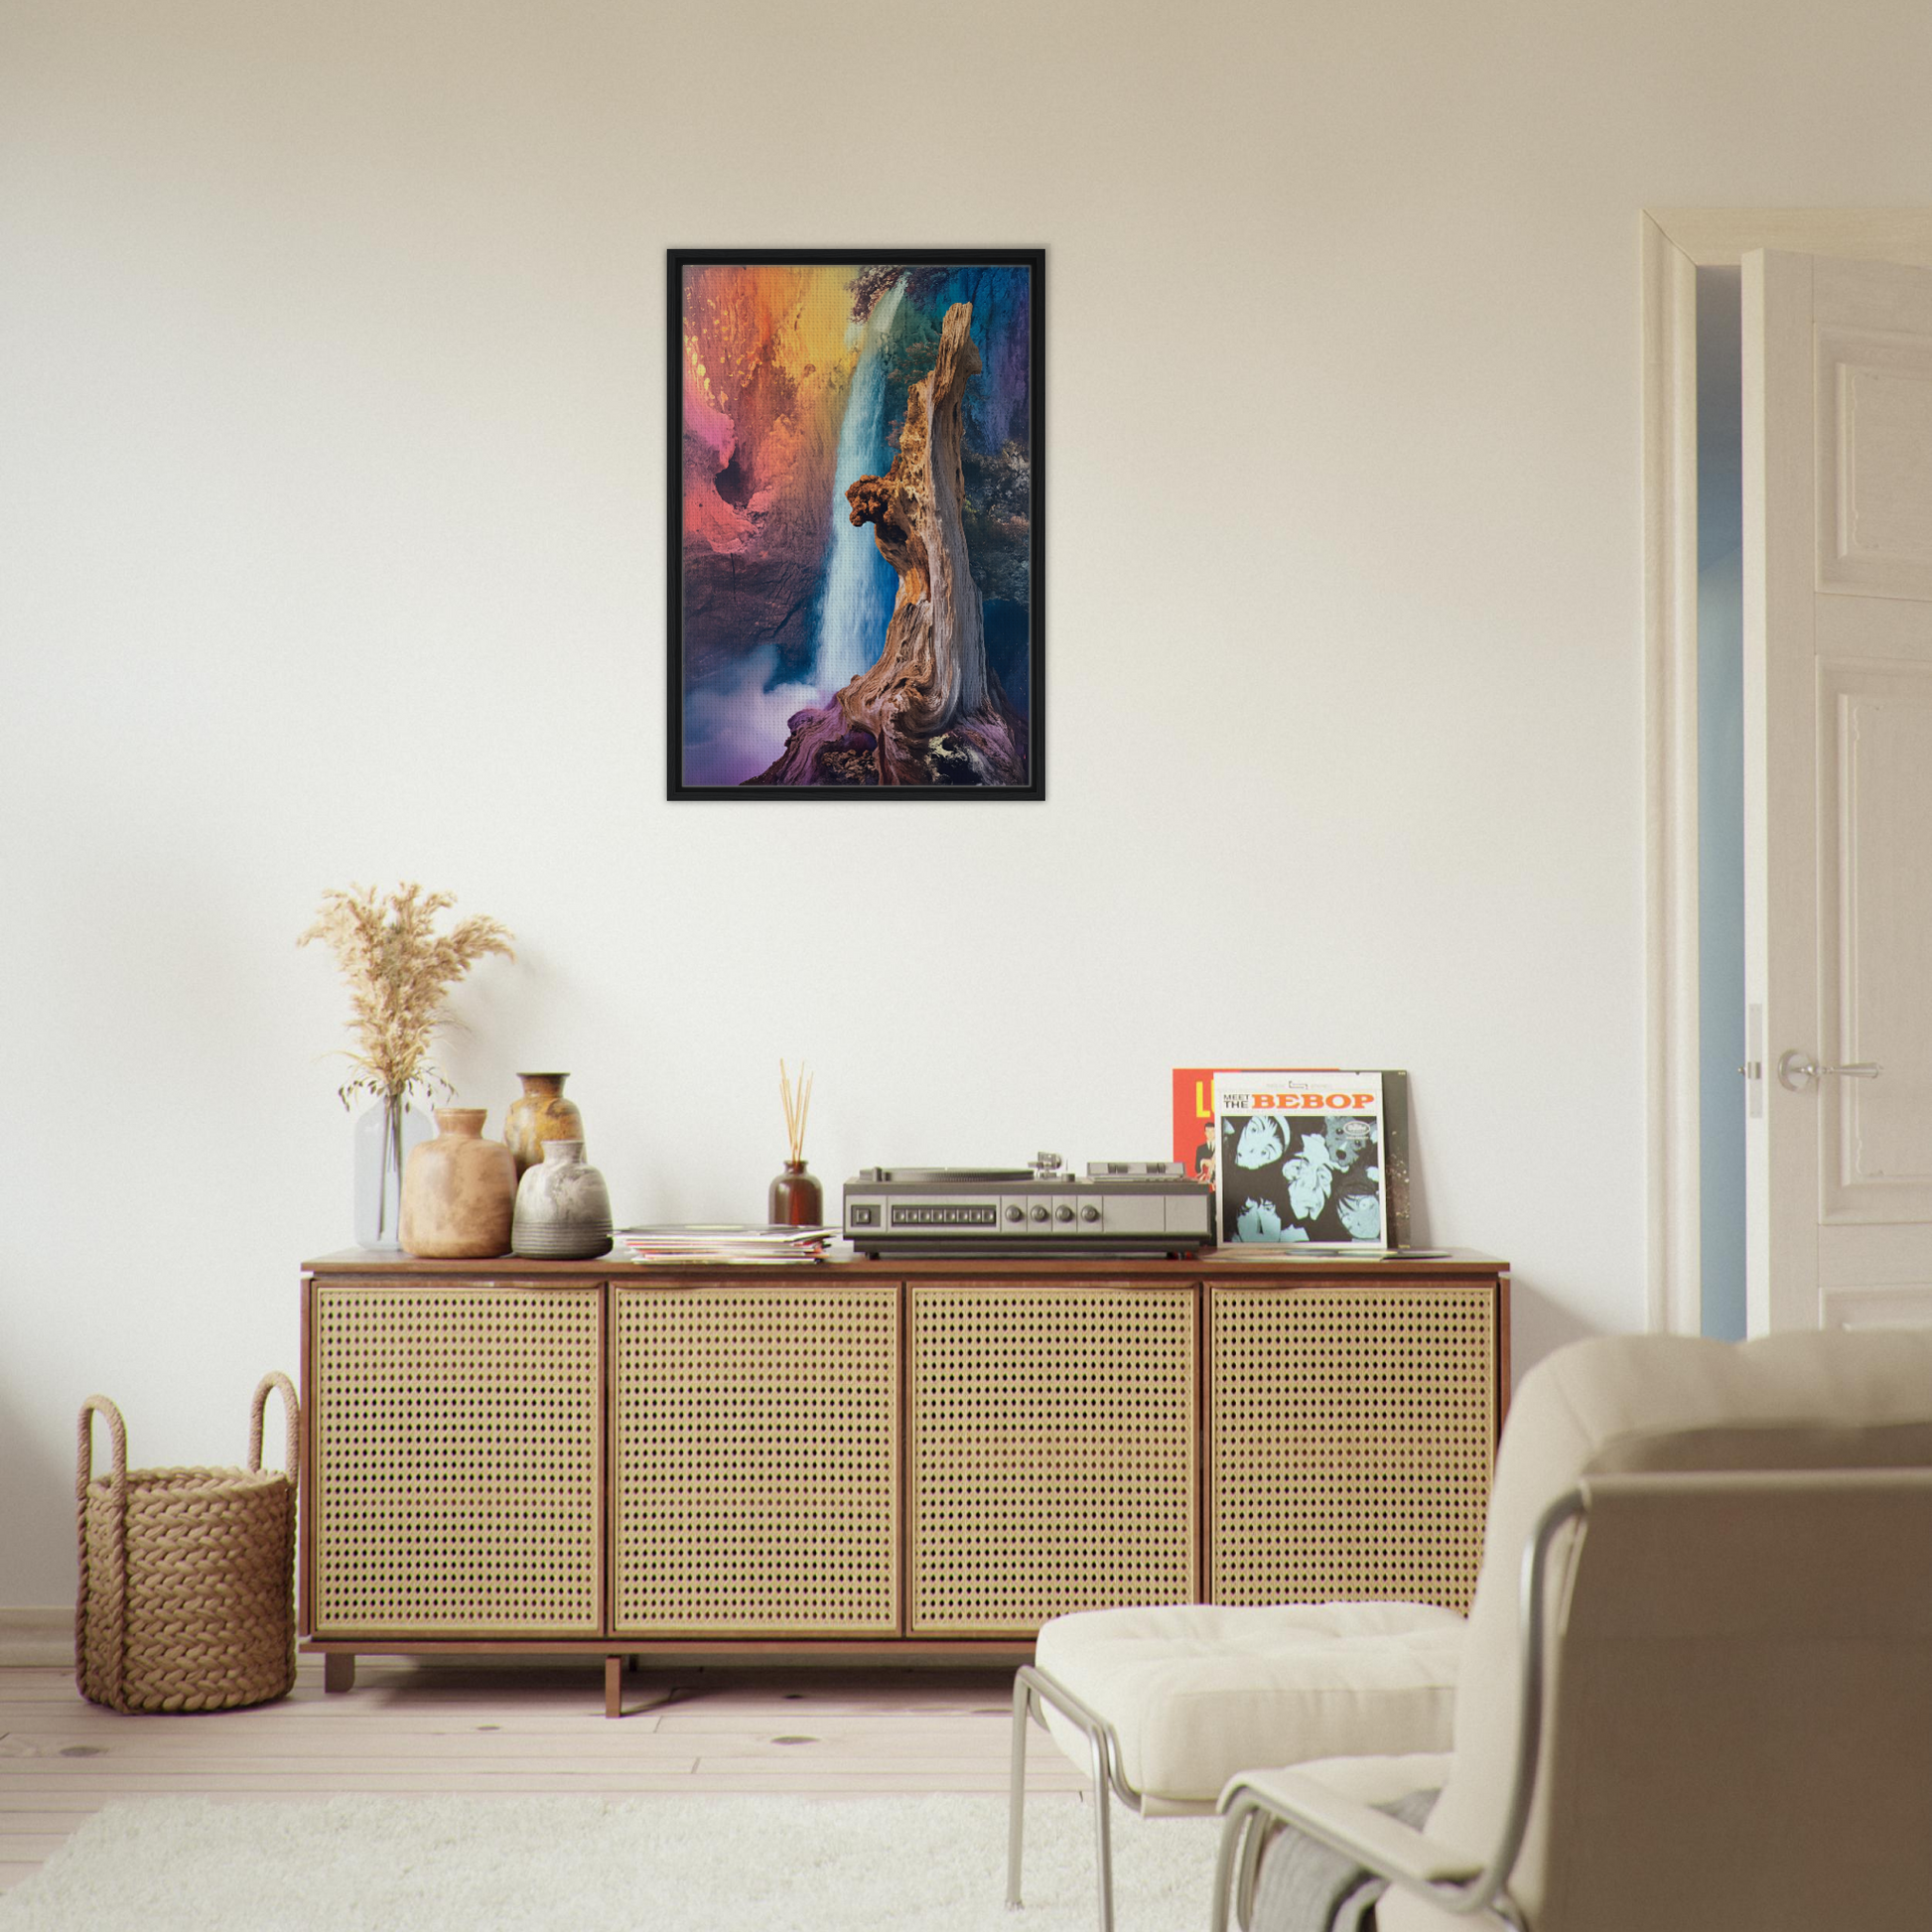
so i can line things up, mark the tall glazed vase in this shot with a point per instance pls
(538, 1114)
(384, 1134)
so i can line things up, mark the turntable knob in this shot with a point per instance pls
(1040, 1214)
(1089, 1213)
(1015, 1213)
(1063, 1214)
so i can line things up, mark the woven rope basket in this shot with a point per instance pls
(187, 1576)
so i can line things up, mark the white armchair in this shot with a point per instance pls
(1697, 1685)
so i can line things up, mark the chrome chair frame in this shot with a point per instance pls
(1031, 1689)
(1253, 1816)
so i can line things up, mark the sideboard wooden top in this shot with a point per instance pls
(1219, 1265)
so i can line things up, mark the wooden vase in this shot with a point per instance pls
(458, 1190)
(540, 1113)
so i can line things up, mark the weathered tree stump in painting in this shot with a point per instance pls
(931, 710)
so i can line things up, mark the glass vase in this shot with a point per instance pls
(384, 1135)
(795, 1200)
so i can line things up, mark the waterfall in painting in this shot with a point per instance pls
(855, 600)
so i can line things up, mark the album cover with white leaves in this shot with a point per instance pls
(1314, 1156)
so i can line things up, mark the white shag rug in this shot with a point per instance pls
(755, 1864)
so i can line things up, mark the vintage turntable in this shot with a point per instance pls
(1126, 1207)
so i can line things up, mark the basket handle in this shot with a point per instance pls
(291, 1410)
(117, 1433)
(112, 1640)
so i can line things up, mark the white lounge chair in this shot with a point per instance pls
(1697, 1686)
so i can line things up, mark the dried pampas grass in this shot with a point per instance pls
(399, 968)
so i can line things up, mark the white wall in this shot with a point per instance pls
(330, 442)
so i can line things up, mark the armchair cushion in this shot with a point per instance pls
(1198, 1692)
(1364, 1780)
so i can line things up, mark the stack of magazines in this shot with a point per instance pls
(733, 1241)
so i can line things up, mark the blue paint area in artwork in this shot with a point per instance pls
(1009, 650)
(995, 408)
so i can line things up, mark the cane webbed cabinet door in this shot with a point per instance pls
(456, 1458)
(1052, 1440)
(1352, 1435)
(756, 1454)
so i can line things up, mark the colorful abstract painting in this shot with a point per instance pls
(855, 524)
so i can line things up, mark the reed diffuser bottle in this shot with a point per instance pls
(795, 1200)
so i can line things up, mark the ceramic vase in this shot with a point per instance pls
(563, 1208)
(795, 1200)
(458, 1190)
(539, 1114)
(385, 1136)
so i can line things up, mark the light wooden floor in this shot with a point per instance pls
(509, 1728)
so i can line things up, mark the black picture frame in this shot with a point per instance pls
(714, 661)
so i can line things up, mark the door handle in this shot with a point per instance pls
(1797, 1069)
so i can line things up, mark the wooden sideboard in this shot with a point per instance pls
(879, 1460)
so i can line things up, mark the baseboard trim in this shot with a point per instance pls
(39, 1635)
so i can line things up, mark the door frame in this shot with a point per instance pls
(1675, 243)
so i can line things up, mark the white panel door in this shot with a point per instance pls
(1838, 778)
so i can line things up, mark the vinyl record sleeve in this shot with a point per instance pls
(1195, 1147)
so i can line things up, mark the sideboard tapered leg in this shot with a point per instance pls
(339, 1670)
(614, 1687)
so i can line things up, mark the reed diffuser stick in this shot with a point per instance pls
(797, 1104)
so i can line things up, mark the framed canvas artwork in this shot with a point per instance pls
(855, 542)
